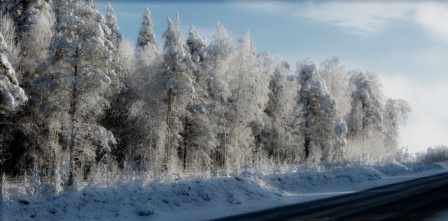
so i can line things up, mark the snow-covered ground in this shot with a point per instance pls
(203, 199)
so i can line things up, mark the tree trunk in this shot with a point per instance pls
(72, 175)
(1, 166)
(185, 142)
(2, 131)
(307, 147)
(168, 135)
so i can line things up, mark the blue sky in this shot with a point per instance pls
(405, 43)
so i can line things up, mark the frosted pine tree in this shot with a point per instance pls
(365, 122)
(56, 181)
(11, 94)
(221, 46)
(75, 81)
(146, 56)
(179, 84)
(282, 96)
(11, 49)
(146, 36)
(35, 184)
(321, 127)
(365, 119)
(114, 35)
(196, 44)
(61, 9)
(23, 186)
(4, 188)
(25, 13)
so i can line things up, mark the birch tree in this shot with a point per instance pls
(396, 112)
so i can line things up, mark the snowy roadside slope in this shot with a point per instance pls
(199, 199)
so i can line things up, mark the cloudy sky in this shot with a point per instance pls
(405, 43)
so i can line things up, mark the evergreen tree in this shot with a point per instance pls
(178, 78)
(146, 36)
(146, 56)
(282, 94)
(13, 49)
(221, 45)
(34, 44)
(114, 35)
(11, 96)
(4, 188)
(365, 119)
(320, 125)
(25, 13)
(75, 80)
(196, 44)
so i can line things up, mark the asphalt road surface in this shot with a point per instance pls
(411, 200)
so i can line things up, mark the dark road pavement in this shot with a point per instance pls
(411, 200)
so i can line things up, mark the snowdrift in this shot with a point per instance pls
(196, 198)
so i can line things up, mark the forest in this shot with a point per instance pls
(78, 102)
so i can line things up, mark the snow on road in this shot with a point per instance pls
(203, 199)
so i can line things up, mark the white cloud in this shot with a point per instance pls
(264, 6)
(434, 17)
(362, 18)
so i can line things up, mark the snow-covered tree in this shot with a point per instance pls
(114, 35)
(248, 84)
(56, 181)
(336, 79)
(147, 54)
(396, 113)
(196, 44)
(4, 188)
(73, 87)
(218, 62)
(34, 44)
(281, 138)
(11, 94)
(61, 9)
(12, 51)
(321, 127)
(365, 118)
(34, 187)
(11, 97)
(365, 121)
(221, 45)
(146, 36)
(25, 13)
(178, 80)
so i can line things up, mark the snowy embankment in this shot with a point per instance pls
(198, 199)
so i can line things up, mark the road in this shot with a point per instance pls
(411, 200)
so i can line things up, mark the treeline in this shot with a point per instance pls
(77, 100)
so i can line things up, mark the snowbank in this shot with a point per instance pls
(195, 199)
